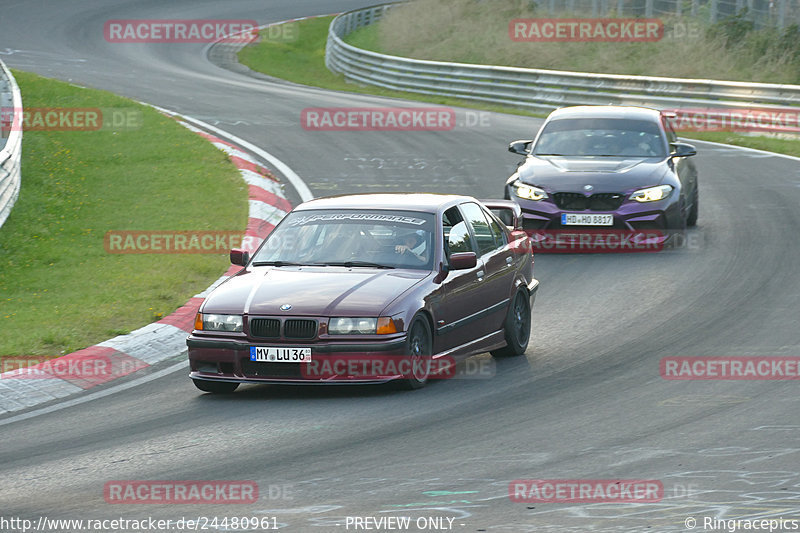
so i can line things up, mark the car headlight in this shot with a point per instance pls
(652, 194)
(528, 192)
(214, 322)
(361, 326)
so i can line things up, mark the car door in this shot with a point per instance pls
(498, 262)
(457, 314)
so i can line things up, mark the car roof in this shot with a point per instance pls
(424, 202)
(606, 111)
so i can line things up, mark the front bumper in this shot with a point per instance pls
(356, 362)
(630, 216)
(637, 227)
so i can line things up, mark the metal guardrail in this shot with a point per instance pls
(540, 90)
(10, 142)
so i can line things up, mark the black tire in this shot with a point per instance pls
(419, 346)
(217, 387)
(517, 327)
(691, 220)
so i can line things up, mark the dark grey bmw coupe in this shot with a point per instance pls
(605, 168)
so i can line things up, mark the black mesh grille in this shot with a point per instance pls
(299, 329)
(265, 327)
(271, 370)
(607, 201)
(575, 201)
(571, 200)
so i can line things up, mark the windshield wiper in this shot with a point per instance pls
(350, 264)
(278, 263)
(551, 154)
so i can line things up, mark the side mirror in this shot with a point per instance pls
(682, 150)
(520, 147)
(463, 260)
(240, 257)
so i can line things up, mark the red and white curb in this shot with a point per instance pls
(160, 340)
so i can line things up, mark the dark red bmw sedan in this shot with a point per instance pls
(368, 289)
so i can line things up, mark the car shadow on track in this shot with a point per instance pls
(471, 376)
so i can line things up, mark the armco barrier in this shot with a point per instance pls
(541, 90)
(10, 142)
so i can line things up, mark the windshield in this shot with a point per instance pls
(604, 137)
(356, 238)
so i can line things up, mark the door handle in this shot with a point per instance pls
(509, 261)
(480, 275)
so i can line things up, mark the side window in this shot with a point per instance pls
(483, 233)
(456, 232)
(497, 231)
(458, 240)
(671, 136)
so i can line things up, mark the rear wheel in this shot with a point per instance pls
(517, 327)
(419, 349)
(218, 387)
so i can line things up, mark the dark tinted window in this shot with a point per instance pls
(671, 136)
(610, 137)
(456, 233)
(483, 233)
(497, 230)
(400, 239)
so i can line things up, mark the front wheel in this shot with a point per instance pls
(419, 349)
(517, 327)
(691, 221)
(217, 387)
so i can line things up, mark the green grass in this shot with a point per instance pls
(467, 31)
(770, 144)
(59, 289)
(303, 62)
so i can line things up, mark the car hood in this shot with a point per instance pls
(604, 174)
(311, 291)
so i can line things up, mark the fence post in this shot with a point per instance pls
(782, 14)
(694, 8)
(713, 16)
(620, 7)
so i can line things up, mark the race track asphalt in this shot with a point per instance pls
(587, 401)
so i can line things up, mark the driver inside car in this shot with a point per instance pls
(412, 247)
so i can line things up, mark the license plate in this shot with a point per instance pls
(586, 219)
(269, 354)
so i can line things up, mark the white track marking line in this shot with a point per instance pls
(96, 395)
